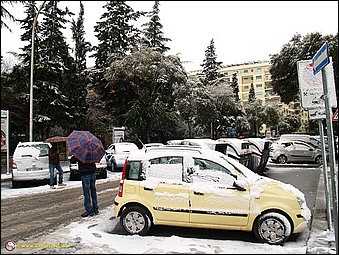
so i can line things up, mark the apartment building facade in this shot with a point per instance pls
(258, 74)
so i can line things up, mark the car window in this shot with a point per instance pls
(165, 168)
(133, 169)
(42, 148)
(211, 172)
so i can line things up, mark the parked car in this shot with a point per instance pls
(312, 140)
(116, 154)
(30, 162)
(199, 188)
(294, 152)
(148, 145)
(100, 172)
(260, 154)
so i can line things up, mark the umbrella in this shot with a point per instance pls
(85, 146)
(56, 139)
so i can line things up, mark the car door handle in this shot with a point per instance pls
(198, 193)
(145, 188)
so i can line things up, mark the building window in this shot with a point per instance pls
(258, 85)
(258, 77)
(246, 95)
(259, 93)
(246, 79)
(245, 71)
(246, 87)
(259, 69)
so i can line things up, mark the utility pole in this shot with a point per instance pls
(31, 80)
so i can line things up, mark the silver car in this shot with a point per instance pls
(295, 151)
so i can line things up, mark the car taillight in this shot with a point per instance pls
(14, 166)
(121, 184)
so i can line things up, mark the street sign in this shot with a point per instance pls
(320, 59)
(311, 86)
(335, 116)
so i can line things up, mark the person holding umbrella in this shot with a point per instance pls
(54, 163)
(87, 172)
(86, 150)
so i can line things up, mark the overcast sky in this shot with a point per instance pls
(242, 30)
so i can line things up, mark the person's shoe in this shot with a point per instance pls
(85, 214)
(62, 184)
(52, 187)
(96, 212)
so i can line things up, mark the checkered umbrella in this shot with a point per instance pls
(85, 146)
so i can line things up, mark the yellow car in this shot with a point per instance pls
(188, 186)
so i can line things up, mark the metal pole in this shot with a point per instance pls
(327, 194)
(331, 155)
(31, 80)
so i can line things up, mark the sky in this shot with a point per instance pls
(100, 235)
(242, 30)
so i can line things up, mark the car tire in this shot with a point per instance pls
(319, 160)
(273, 228)
(135, 220)
(282, 159)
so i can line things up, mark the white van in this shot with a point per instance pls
(30, 163)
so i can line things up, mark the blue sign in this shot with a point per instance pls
(320, 59)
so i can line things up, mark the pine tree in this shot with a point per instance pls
(81, 46)
(115, 33)
(251, 95)
(153, 35)
(53, 72)
(211, 66)
(235, 86)
(78, 103)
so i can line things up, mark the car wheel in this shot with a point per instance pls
(135, 220)
(319, 160)
(282, 159)
(272, 228)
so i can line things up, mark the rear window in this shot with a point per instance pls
(132, 170)
(42, 148)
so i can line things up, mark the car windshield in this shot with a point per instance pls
(241, 169)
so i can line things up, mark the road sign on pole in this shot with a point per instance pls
(320, 59)
(335, 116)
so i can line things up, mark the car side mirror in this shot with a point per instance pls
(240, 185)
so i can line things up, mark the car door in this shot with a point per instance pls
(164, 189)
(302, 152)
(213, 198)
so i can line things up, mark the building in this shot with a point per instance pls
(258, 74)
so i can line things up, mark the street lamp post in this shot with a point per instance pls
(31, 80)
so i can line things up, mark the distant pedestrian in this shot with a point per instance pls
(54, 163)
(121, 140)
(88, 179)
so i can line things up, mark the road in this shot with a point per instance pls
(37, 214)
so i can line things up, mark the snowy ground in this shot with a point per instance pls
(95, 235)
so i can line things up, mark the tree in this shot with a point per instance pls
(5, 14)
(78, 102)
(142, 83)
(194, 105)
(235, 86)
(289, 124)
(251, 94)
(255, 113)
(153, 35)
(53, 72)
(115, 33)
(211, 66)
(284, 65)
(82, 47)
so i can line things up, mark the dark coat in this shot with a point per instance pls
(84, 168)
(53, 155)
